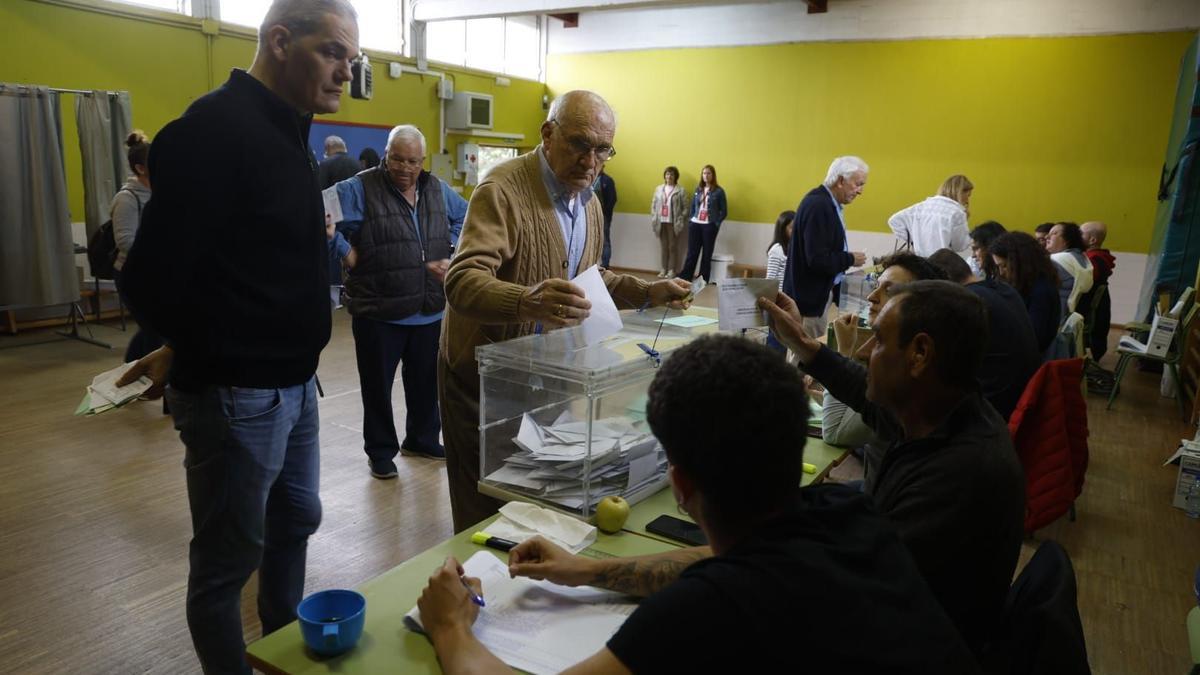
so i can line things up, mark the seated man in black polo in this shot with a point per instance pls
(949, 481)
(789, 568)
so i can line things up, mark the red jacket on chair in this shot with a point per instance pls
(1049, 430)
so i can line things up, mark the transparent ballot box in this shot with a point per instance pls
(563, 424)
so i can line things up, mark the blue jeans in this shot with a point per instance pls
(701, 239)
(253, 463)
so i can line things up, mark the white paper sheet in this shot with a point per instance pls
(105, 385)
(537, 626)
(737, 302)
(641, 469)
(333, 204)
(689, 321)
(603, 319)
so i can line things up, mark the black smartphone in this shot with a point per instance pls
(677, 529)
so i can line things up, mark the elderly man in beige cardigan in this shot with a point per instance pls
(532, 225)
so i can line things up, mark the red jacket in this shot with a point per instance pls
(1049, 431)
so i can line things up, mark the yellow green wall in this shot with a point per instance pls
(1047, 128)
(166, 67)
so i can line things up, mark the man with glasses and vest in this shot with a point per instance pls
(533, 225)
(401, 222)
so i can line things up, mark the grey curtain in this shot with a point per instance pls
(104, 120)
(37, 258)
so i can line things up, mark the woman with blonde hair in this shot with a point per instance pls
(938, 222)
(668, 217)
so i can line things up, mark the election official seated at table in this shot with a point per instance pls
(811, 577)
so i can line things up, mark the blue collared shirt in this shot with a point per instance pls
(571, 209)
(354, 198)
(845, 244)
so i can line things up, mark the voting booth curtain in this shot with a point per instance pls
(104, 119)
(37, 259)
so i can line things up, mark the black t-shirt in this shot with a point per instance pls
(825, 587)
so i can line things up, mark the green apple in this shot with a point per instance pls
(611, 514)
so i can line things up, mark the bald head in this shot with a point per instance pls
(581, 105)
(1093, 233)
(577, 138)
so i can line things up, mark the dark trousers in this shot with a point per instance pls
(144, 340)
(379, 348)
(701, 239)
(606, 255)
(460, 411)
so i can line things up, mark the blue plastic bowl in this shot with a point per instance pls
(332, 621)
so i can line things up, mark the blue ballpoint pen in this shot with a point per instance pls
(475, 597)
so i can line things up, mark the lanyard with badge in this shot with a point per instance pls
(703, 215)
(666, 201)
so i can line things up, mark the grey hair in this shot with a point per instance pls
(579, 95)
(844, 167)
(303, 17)
(407, 133)
(334, 143)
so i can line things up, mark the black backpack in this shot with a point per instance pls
(102, 246)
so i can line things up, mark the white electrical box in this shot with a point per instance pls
(445, 89)
(395, 69)
(469, 110)
(468, 163)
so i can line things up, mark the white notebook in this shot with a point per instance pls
(537, 626)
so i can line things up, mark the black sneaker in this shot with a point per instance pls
(383, 469)
(437, 452)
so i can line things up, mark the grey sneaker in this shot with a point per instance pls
(383, 469)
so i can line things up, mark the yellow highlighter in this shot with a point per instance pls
(809, 468)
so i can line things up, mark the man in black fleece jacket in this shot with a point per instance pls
(230, 268)
(950, 480)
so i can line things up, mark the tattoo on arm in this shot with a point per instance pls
(648, 574)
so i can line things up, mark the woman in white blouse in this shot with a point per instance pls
(938, 222)
(668, 217)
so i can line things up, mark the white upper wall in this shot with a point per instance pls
(788, 21)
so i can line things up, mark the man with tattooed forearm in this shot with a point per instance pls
(789, 568)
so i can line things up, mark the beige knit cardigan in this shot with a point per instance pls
(512, 240)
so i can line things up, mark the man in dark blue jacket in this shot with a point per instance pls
(818, 255)
(230, 267)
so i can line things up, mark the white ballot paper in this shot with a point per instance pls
(537, 626)
(737, 302)
(603, 319)
(105, 385)
(333, 205)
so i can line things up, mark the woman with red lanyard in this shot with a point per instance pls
(708, 212)
(668, 215)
